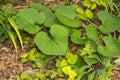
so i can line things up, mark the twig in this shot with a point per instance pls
(93, 24)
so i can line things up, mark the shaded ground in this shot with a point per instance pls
(9, 67)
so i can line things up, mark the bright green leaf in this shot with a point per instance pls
(87, 3)
(82, 16)
(66, 69)
(80, 10)
(63, 63)
(40, 75)
(24, 55)
(57, 44)
(71, 58)
(23, 75)
(89, 13)
(93, 0)
(94, 6)
(31, 54)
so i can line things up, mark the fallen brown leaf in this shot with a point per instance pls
(2, 65)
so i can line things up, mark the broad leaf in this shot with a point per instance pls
(57, 44)
(28, 18)
(39, 7)
(110, 22)
(111, 48)
(91, 32)
(50, 17)
(67, 15)
(75, 37)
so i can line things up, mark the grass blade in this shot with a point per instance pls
(11, 21)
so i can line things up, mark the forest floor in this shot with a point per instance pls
(9, 60)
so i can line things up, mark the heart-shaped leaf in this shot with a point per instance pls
(110, 22)
(50, 17)
(27, 18)
(111, 48)
(57, 44)
(75, 37)
(67, 15)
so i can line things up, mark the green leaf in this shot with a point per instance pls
(50, 19)
(94, 6)
(40, 75)
(39, 7)
(80, 10)
(91, 59)
(81, 72)
(110, 22)
(89, 13)
(92, 32)
(88, 49)
(31, 54)
(63, 63)
(27, 21)
(42, 60)
(71, 58)
(82, 16)
(91, 76)
(111, 48)
(75, 37)
(87, 3)
(67, 15)
(68, 71)
(23, 75)
(57, 44)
